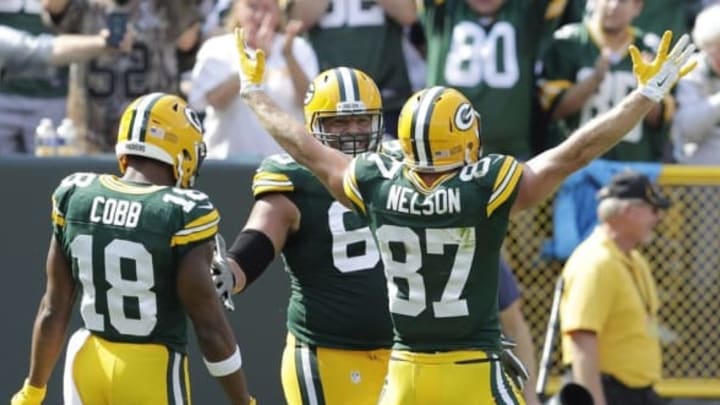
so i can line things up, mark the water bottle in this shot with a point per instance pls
(67, 136)
(45, 138)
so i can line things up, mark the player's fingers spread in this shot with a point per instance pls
(688, 68)
(686, 55)
(681, 44)
(664, 43)
(635, 55)
(239, 40)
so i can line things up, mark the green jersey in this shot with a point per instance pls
(338, 296)
(125, 241)
(440, 246)
(570, 59)
(490, 60)
(370, 41)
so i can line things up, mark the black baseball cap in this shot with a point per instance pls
(634, 185)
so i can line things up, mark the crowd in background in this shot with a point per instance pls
(529, 98)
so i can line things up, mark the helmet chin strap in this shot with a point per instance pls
(179, 171)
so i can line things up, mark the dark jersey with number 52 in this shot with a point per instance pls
(440, 246)
(125, 241)
(338, 296)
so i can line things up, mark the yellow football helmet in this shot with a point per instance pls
(439, 130)
(162, 127)
(344, 92)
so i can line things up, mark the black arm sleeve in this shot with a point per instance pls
(253, 251)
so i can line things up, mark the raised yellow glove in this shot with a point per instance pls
(252, 64)
(659, 76)
(29, 395)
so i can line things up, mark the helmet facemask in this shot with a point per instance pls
(345, 94)
(349, 142)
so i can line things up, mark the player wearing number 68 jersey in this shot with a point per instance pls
(339, 326)
(137, 250)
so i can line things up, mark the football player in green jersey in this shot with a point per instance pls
(137, 249)
(372, 36)
(599, 74)
(439, 218)
(339, 326)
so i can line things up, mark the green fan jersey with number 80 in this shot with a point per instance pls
(338, 296)
(125, 241)
(440, 246)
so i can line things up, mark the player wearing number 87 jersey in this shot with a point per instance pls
(338, 322)
(137, 249)
(440, 215)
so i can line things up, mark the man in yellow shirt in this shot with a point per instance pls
(608, 311)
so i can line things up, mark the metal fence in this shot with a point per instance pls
(685, 258)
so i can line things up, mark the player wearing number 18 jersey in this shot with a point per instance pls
(339, 326)
(137, 249)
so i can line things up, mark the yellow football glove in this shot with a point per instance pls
(252, 64)
(659, 76)
(29, 395)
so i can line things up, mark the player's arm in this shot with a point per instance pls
(50, 326)
(513, 325)
(328, 164)
(215, 337)
(586, 363)
(544, 173)
(272, 218)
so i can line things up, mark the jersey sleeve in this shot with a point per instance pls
(585, 303)
(558, 71)
(19, 49)
(362, 176)
(199, 221)
(62, 195)
(275, 175)
(504, 174)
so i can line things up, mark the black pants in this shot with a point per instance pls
(617, 393)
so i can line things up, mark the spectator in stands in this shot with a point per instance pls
(696, 130)
(609, 307)
(487, 50)
(587, 70)
(232, 130)
(363, 35)
(30, 93)
(515, 327)
(100, 90)
(660, 15)
(23, 53)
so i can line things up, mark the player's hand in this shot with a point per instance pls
(29, 395)
(657, 77)
(222, 276)
(252, 64)
(512, 365)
